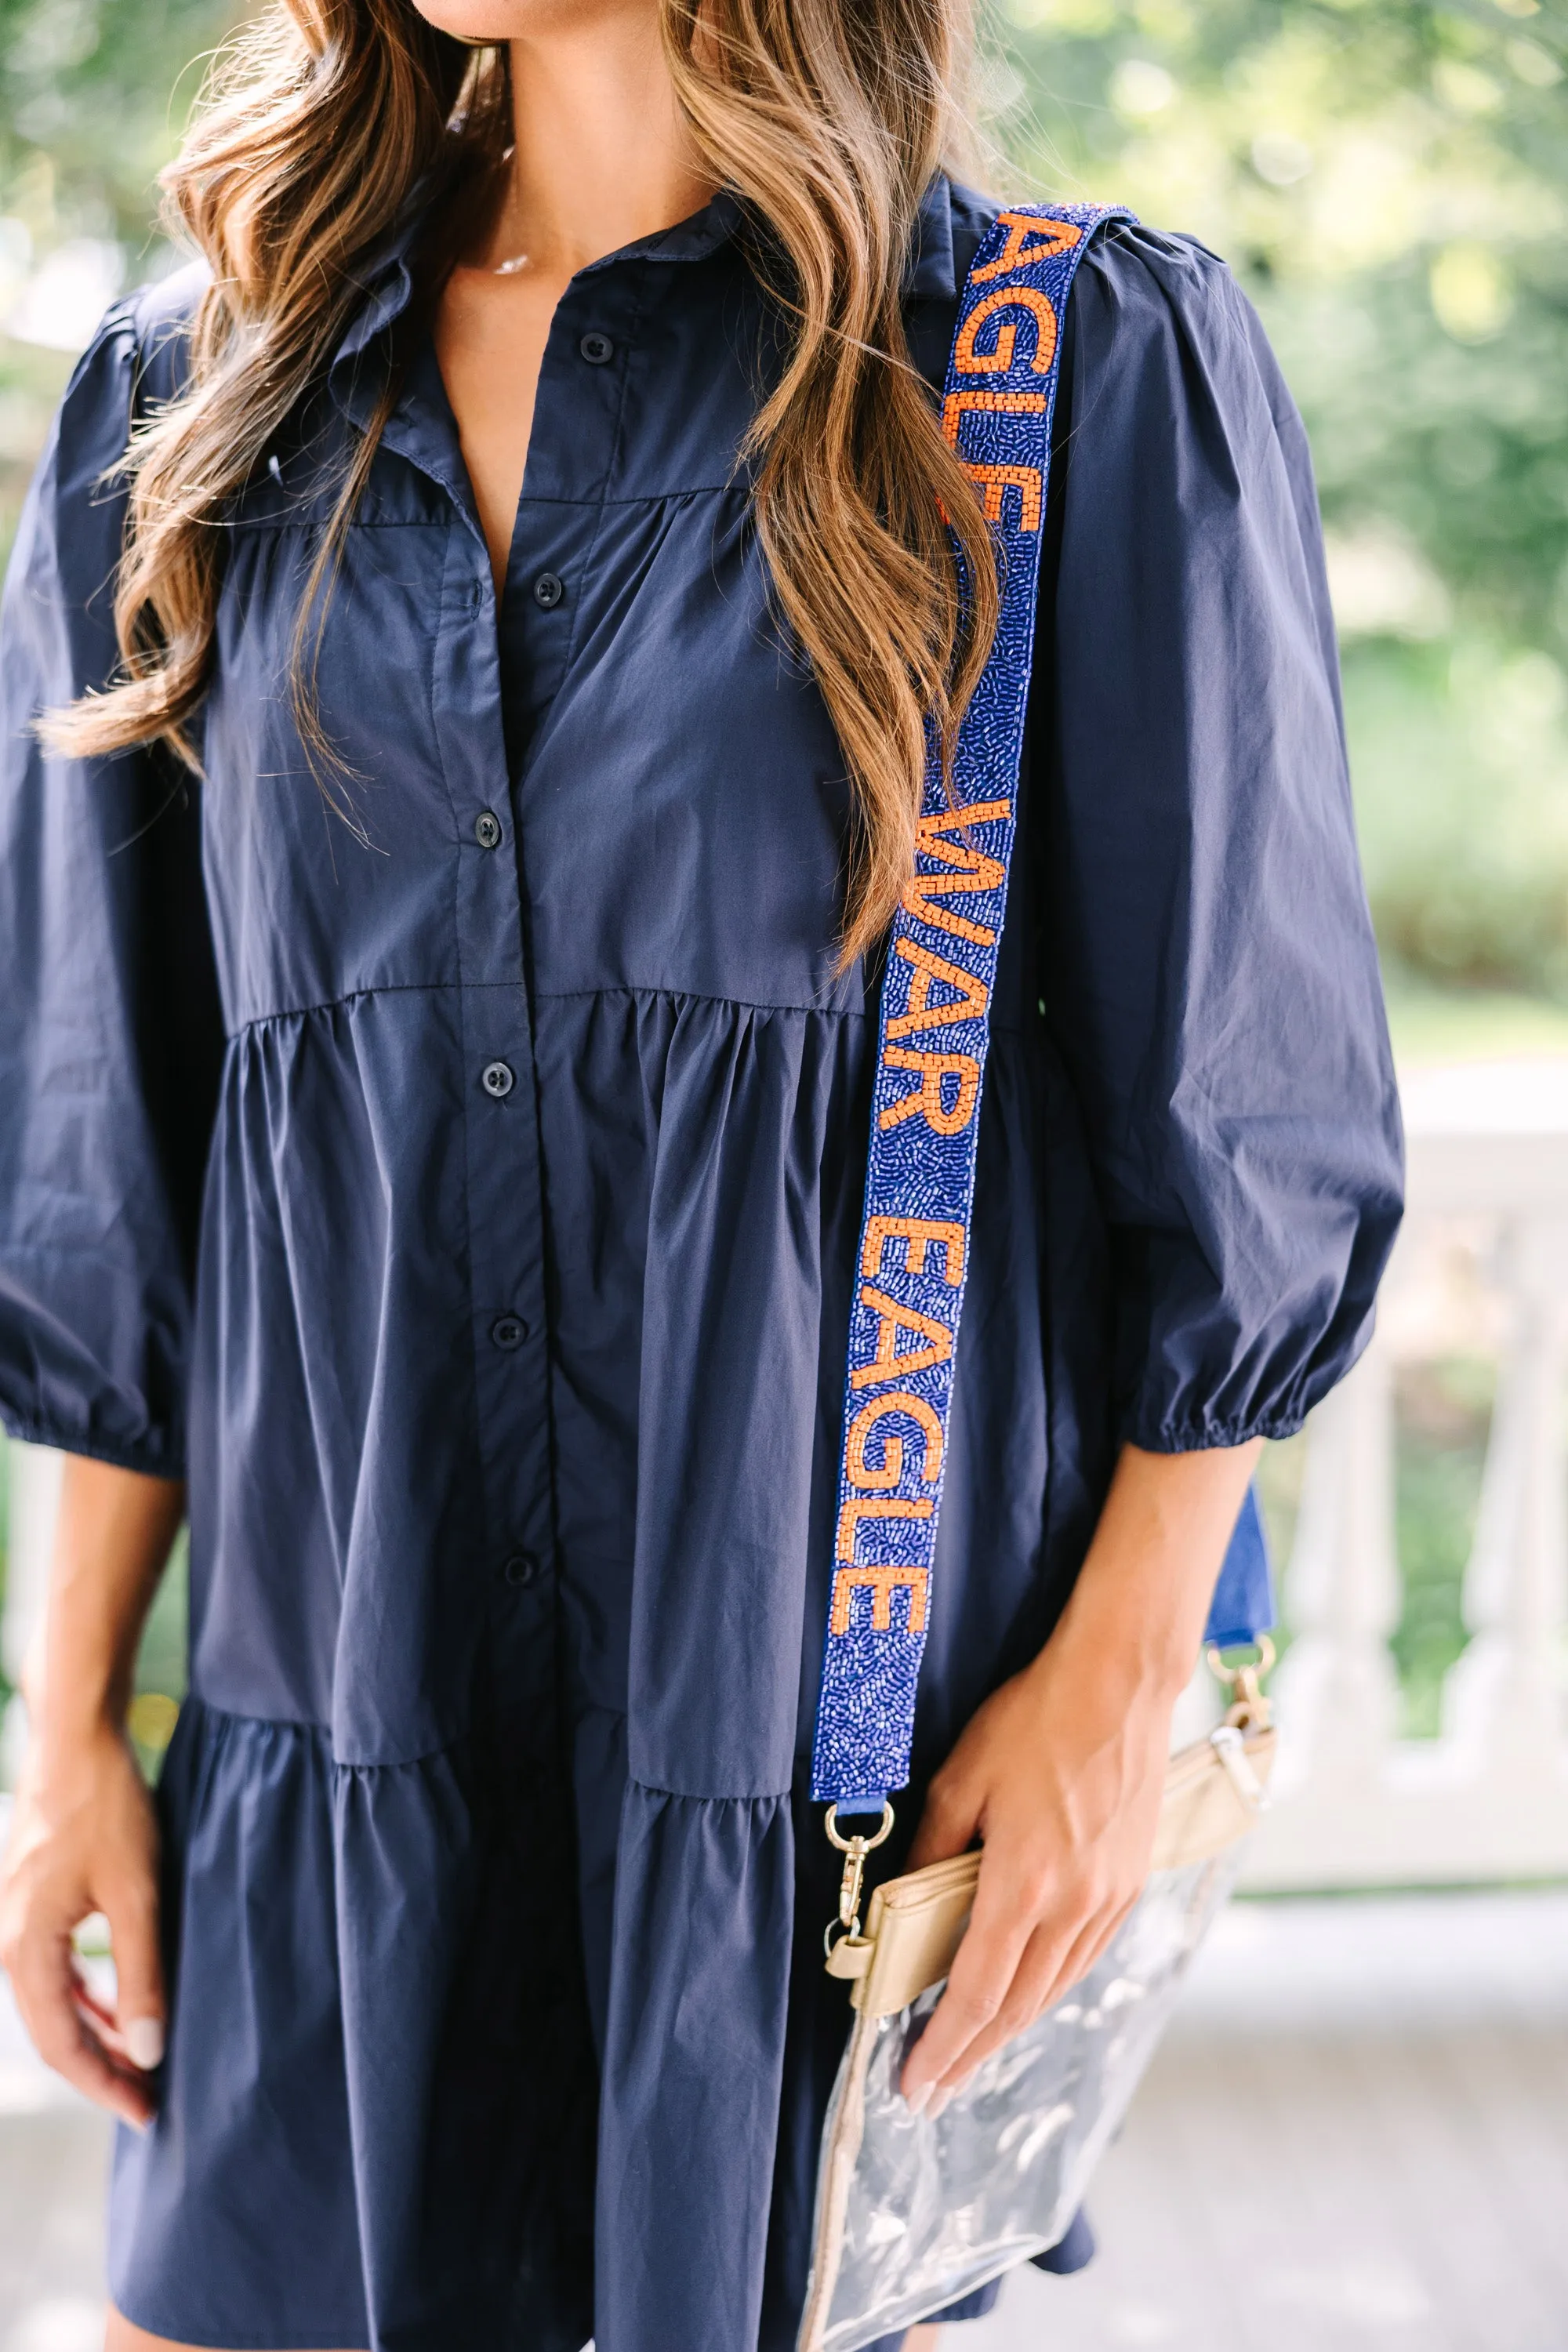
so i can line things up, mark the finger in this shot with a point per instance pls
(89, 2069)
(131, 1911)
(1026, 1997)
(949, 1822)
(1089, 1947)
(977, 1985)
(96, 2014)
(1057, 1957)
(43, 1980)
(1053, 1964)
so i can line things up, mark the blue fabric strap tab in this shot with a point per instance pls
(933, 1034)
(1243, 1604)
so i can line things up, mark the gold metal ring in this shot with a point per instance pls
(833, 1934)
(864, 1844)
(1256, 1666)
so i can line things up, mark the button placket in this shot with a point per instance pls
(503, 1180)
(577, 426)
(505, 1175)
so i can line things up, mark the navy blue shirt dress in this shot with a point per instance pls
(460, 1189)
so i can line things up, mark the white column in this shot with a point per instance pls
(1336, 1691)
(1502, 1703)
(34, 1491)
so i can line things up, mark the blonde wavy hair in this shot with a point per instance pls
(825, 117)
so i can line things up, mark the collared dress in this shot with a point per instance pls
(448, 1160)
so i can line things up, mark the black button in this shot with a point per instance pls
(596, 348)
(522, 1567)
(508, 1331)
(547, 590)
(487, 829)
(498, 1080)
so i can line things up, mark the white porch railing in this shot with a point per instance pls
(1482, 1267)
(33, 1481)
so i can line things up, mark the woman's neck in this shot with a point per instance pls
(601, 157)
(601, 153)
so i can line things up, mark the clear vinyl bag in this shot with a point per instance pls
(911, 2213)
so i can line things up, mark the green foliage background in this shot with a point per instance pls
(1389, 178)
(89, 111)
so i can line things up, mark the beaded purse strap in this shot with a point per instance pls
(932, 1038)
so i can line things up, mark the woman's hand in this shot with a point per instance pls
(1064, 1786)
(1061, 1773)
(83, 1839)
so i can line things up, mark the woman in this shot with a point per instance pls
(437, 1133)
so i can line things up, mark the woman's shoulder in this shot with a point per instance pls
(1161, 307)
(133, 363)
(1155, 282)
(154, 321)
(160, 316)
(1160, 341)
(136, 358)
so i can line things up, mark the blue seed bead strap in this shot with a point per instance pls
(932, 1037)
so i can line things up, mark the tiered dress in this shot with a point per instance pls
(459, 1186)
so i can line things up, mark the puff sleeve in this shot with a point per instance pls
(1209, 973)
(110, 1031)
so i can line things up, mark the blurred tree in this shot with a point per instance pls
(1389, 178)
(92, 95)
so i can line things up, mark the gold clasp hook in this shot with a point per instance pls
(1248, 1708)
(854, 1850)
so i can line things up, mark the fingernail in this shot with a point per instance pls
(939, 2101)
(145, 2042)
(918, 2101)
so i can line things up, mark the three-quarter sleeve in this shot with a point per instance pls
(1209, 973)
(110, 1031)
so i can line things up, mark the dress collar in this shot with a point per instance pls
(387, 289)
(929, 275)
(388, 282)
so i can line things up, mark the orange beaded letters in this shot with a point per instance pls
(970, 1001)
(961, 867)
(1050, 237)
(936, 1001)
(917, 1233)
(992, 480)
(855, 1507)
(890, 1472)
(967, 361)
(888, 1364)
(929, 1100)
(884, 1581)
